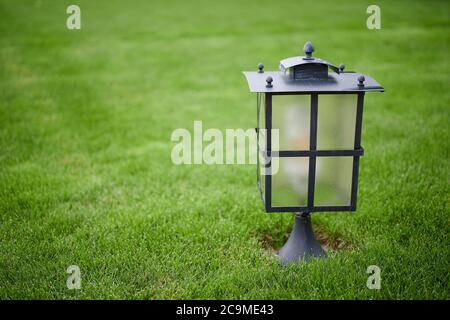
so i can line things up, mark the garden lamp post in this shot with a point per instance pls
(313, 163)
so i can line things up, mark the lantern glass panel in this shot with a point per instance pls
(336, 121)
(262, 185)
(261, 142)
(290, 181)
(291, 115)
(261, 121)
(333, 183)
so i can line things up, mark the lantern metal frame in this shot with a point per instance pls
(312, 154)
(305, 75)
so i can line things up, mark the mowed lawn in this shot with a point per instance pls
(86, 176)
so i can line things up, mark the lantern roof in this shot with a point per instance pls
(309, 74)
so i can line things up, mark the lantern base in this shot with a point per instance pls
(302, 243)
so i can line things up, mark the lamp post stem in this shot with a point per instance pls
(302, 243)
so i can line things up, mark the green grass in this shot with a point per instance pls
(86, 177)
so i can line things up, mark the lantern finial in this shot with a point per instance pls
(308, 48)
(361, 80)
(260, 68)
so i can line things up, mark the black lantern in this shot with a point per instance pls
(311, 163)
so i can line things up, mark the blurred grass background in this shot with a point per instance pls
(86, 177)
